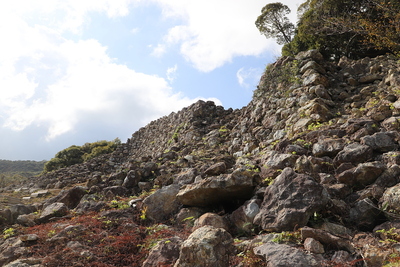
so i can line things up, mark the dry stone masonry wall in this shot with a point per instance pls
(307, 173)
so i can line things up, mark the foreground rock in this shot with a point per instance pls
(290, 201)
(207, 246)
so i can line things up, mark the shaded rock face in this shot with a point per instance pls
(290, 201)
(206, 247)
(237, 185)
(70, 198)
(162, 204)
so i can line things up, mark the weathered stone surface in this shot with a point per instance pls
(27, 219)
(284, 255)
(369, 78)
(365, 214)
(70, 198)
(280, 160)
(390, 200)
(223, 188)
(391, 124)
(381, 142)
(315, 79)
(114, 191)
(132, 179)
(206, 247)
(313, 66)
(213, 220)
(362, 175)
(163, 203)
(216, 169)
(11, 249)
(290, 201)
(313, 246)
(316, 109)
(165, 252)
(328, 147)
(57, 209)
(313, 54)
(187, 176)
(327, 239)
(354, 153)
(243, 217)
(20, 209)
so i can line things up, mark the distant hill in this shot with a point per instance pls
(14, 171)
(10, 166)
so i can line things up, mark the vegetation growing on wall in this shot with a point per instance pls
(79, 154)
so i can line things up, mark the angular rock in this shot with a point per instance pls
(20, 209)
(354, 153)
(11, 249)
(313, 246)
(381, 142)
(281, 161)
(392, 123)
(369, 78)
(132, 179)
(290, 201)
(327, 239)
(313, 54)
(389, 177)
(205, 247)
(242, 218)
(216, 169)
(365, 214)
(186, 177)
(328, 147)
(165, 252)
(313, 66)
(223, 188)
(162, 203)
(114, 191)
(285, 255)
(27, 219)
(362, 175)
(57, 209)
(213, 220)
(70, 198)
(390, 200)
(315, 79)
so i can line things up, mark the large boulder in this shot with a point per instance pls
(223, 188)
(163, 203)
(206, 247)
(290, 201)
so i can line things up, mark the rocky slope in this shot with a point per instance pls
(306, 175)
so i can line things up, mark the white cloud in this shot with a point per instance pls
(49, 81)
(159, 50)
(64, 15)
(213, 32)
(171, 73)
(248, 77)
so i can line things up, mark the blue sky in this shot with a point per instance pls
(77, 71)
